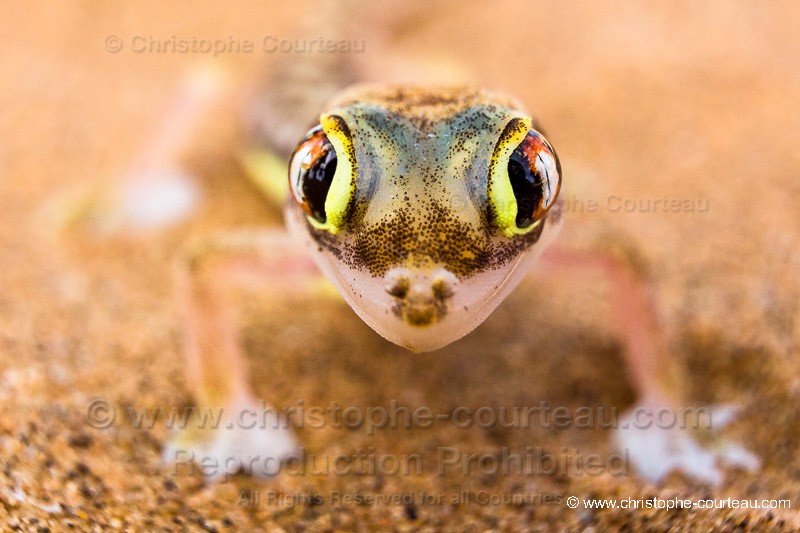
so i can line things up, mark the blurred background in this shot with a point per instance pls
(677, 123)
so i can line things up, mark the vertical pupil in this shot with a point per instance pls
(527, 186)
(317, 181)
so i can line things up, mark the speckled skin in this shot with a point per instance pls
(418, 255)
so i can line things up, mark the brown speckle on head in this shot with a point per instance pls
(422, 158)
(441, 240)
(422, 106)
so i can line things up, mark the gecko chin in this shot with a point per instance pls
(424, 309)
(421, 308)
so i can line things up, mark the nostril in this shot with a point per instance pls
(420, 287)
(399, 287)
(443, 283)
(441, 289)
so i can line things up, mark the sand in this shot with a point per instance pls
(684, 101)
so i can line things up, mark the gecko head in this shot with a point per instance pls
(424, 207)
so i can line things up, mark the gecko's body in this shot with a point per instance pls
(424, 207)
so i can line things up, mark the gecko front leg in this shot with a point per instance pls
(207, 272)
(687, 440)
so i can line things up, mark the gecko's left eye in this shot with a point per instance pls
(311, 173)
(524, 179)
(535, 175)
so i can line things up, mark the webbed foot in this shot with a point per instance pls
(247, 436)
(659, 439)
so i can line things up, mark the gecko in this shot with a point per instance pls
(424, 206)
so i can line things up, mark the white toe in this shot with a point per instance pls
(656, 451)
(257, 449)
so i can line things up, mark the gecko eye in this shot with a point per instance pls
(311, 172)
(535, 175)
(322, 174)
(524, 179)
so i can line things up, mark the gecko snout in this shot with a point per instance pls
(420, 298)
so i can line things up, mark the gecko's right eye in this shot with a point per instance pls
(322, 174)
(311, 172)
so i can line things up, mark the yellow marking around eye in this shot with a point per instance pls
(344, 179)
(501, 195)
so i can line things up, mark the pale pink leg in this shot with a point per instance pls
(207, 273)
(634, 313)
(155, 190)
(654, 449)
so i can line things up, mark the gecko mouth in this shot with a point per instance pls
(420, 314)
